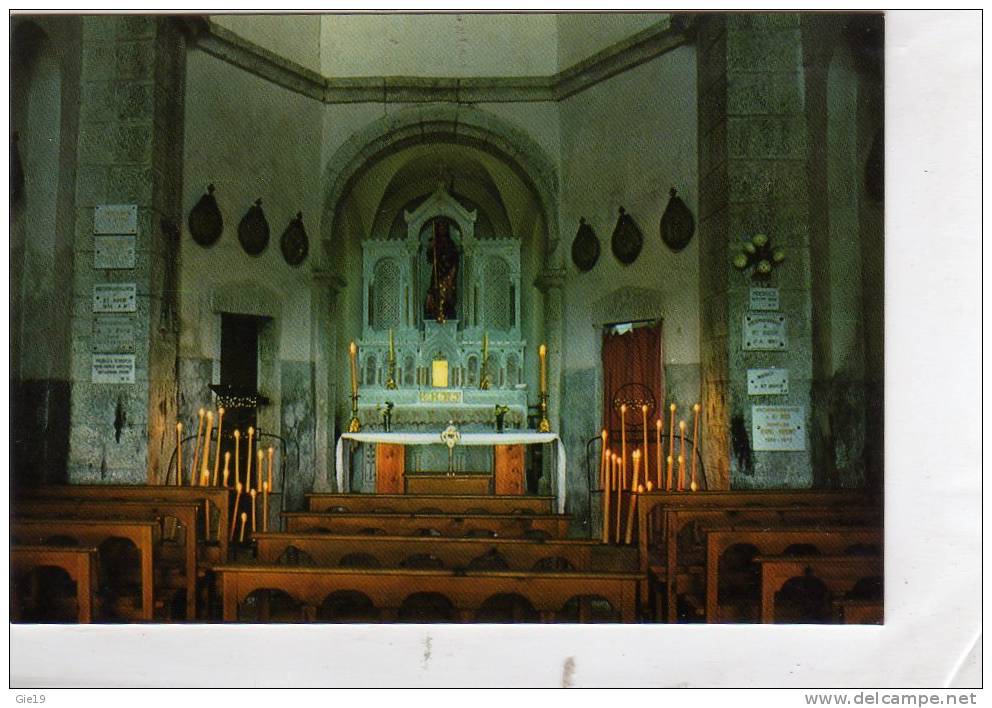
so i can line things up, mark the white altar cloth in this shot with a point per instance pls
(508, 438)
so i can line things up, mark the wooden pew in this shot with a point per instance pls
(848, 611)
(219, 499)
(505, 525)
(448, 504)
(547, 592)
(676, 561)
(774, 542)
(392, 551)
(838, 573)
(78, 562)
(184, 512)
(91, 532)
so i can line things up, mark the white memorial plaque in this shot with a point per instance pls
(113, 333)
(778, 428)
(115, 297)
(767, 382)
(113, 368)
(765, 299)
(115, 219)
(114, 251)
(764, 332)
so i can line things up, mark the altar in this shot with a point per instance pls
(497, 441)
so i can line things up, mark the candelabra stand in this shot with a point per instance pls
(545, 425)
(391, 372)
(355, 426)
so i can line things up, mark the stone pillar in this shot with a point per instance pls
(753, 171)
(551, 283)
(326, 286)
(129, 153)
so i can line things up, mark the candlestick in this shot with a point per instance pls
(207, 433)
(618, 472)
(695, 442)
(485, 346)
(196, 450)
(272, 451)
(253, 494)
(671, 431)
(681, 455)
(644, 434)
(658, 452)
(634, 488)
(237, 456)
(623, 444)
(179, 454)
(604, 449)
(250, 454)
(543, 355)
(260, 469)
(227, 463)
(237, 499)
(244, 521)
(353, 357)
(220, 426)
(265, 506)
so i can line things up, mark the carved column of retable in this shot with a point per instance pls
(325, 289)
(551, 283)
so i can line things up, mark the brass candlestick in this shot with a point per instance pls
(355, 426)
(545, 425)
(391, 372)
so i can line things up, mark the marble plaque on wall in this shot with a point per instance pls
(765, 299)
(115, 219)
(114, 251)
(113, 368)
(778, 428)
(764, 332)
(767, 382)
(113, 333)
(115, 297)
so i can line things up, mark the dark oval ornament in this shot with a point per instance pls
(294, 242)
(253, 231)
(627, 239)
(206, 223)
(677, 223)
(585, 247)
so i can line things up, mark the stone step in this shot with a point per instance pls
(533, 526)
(430, 503)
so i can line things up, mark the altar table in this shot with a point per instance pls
(494, 439)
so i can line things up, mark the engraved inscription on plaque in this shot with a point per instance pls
(114, 251)
(767, 382)
(115, 219)
(115, 297)
(113, 368)
(778, 428)
(440, 397)
(765, 299)
(764, 332)
(113, 333)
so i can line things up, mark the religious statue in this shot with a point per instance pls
(443, 255)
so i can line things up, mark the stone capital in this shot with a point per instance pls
(328, 279)
(550, 279)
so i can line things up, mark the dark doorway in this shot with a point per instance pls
(239, 372)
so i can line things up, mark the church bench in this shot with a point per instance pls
(504, 525)
(838, 573)
(444, 503)
(835, 541)
(78, 562)
(92, 532)
(183, 512)
(452, 553)
(218, 498)
(856, 611)
(680, 550)
(548, 593)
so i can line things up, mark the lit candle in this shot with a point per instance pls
(237, 458)
(657, 445)
(619, 475)
(485, 346)
(237, 499)
(253, 495)
(637, 469)
(671, 442)
(623, 444)
(668, 482)
(196, 450)
(543, 354)
(220, 425)
(249, 455)
(244, 521)
(353, 357)
(227, 464)
(681, 455)
(602, 457)
(650, 486)
(634, 487)
(606, 472)
(644, 425)
(265, 506)
(260, 470)
(695, 442)
(272, 451)
(205, 476)
(207, 432)
(179, 454)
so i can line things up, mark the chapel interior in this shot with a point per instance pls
(389, 317)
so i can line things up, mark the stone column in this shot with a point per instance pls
(551, 283)
(326, 286)
(753, 156)
(129, 153)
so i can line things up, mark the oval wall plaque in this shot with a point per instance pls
(206, 223)
(253, 231)
(585, 247)
(294, 242)
(677, 223)
(627, 239)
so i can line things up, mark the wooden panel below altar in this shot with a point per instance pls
(454, 484)
(390, 462)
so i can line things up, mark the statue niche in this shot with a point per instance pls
(443, 256)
